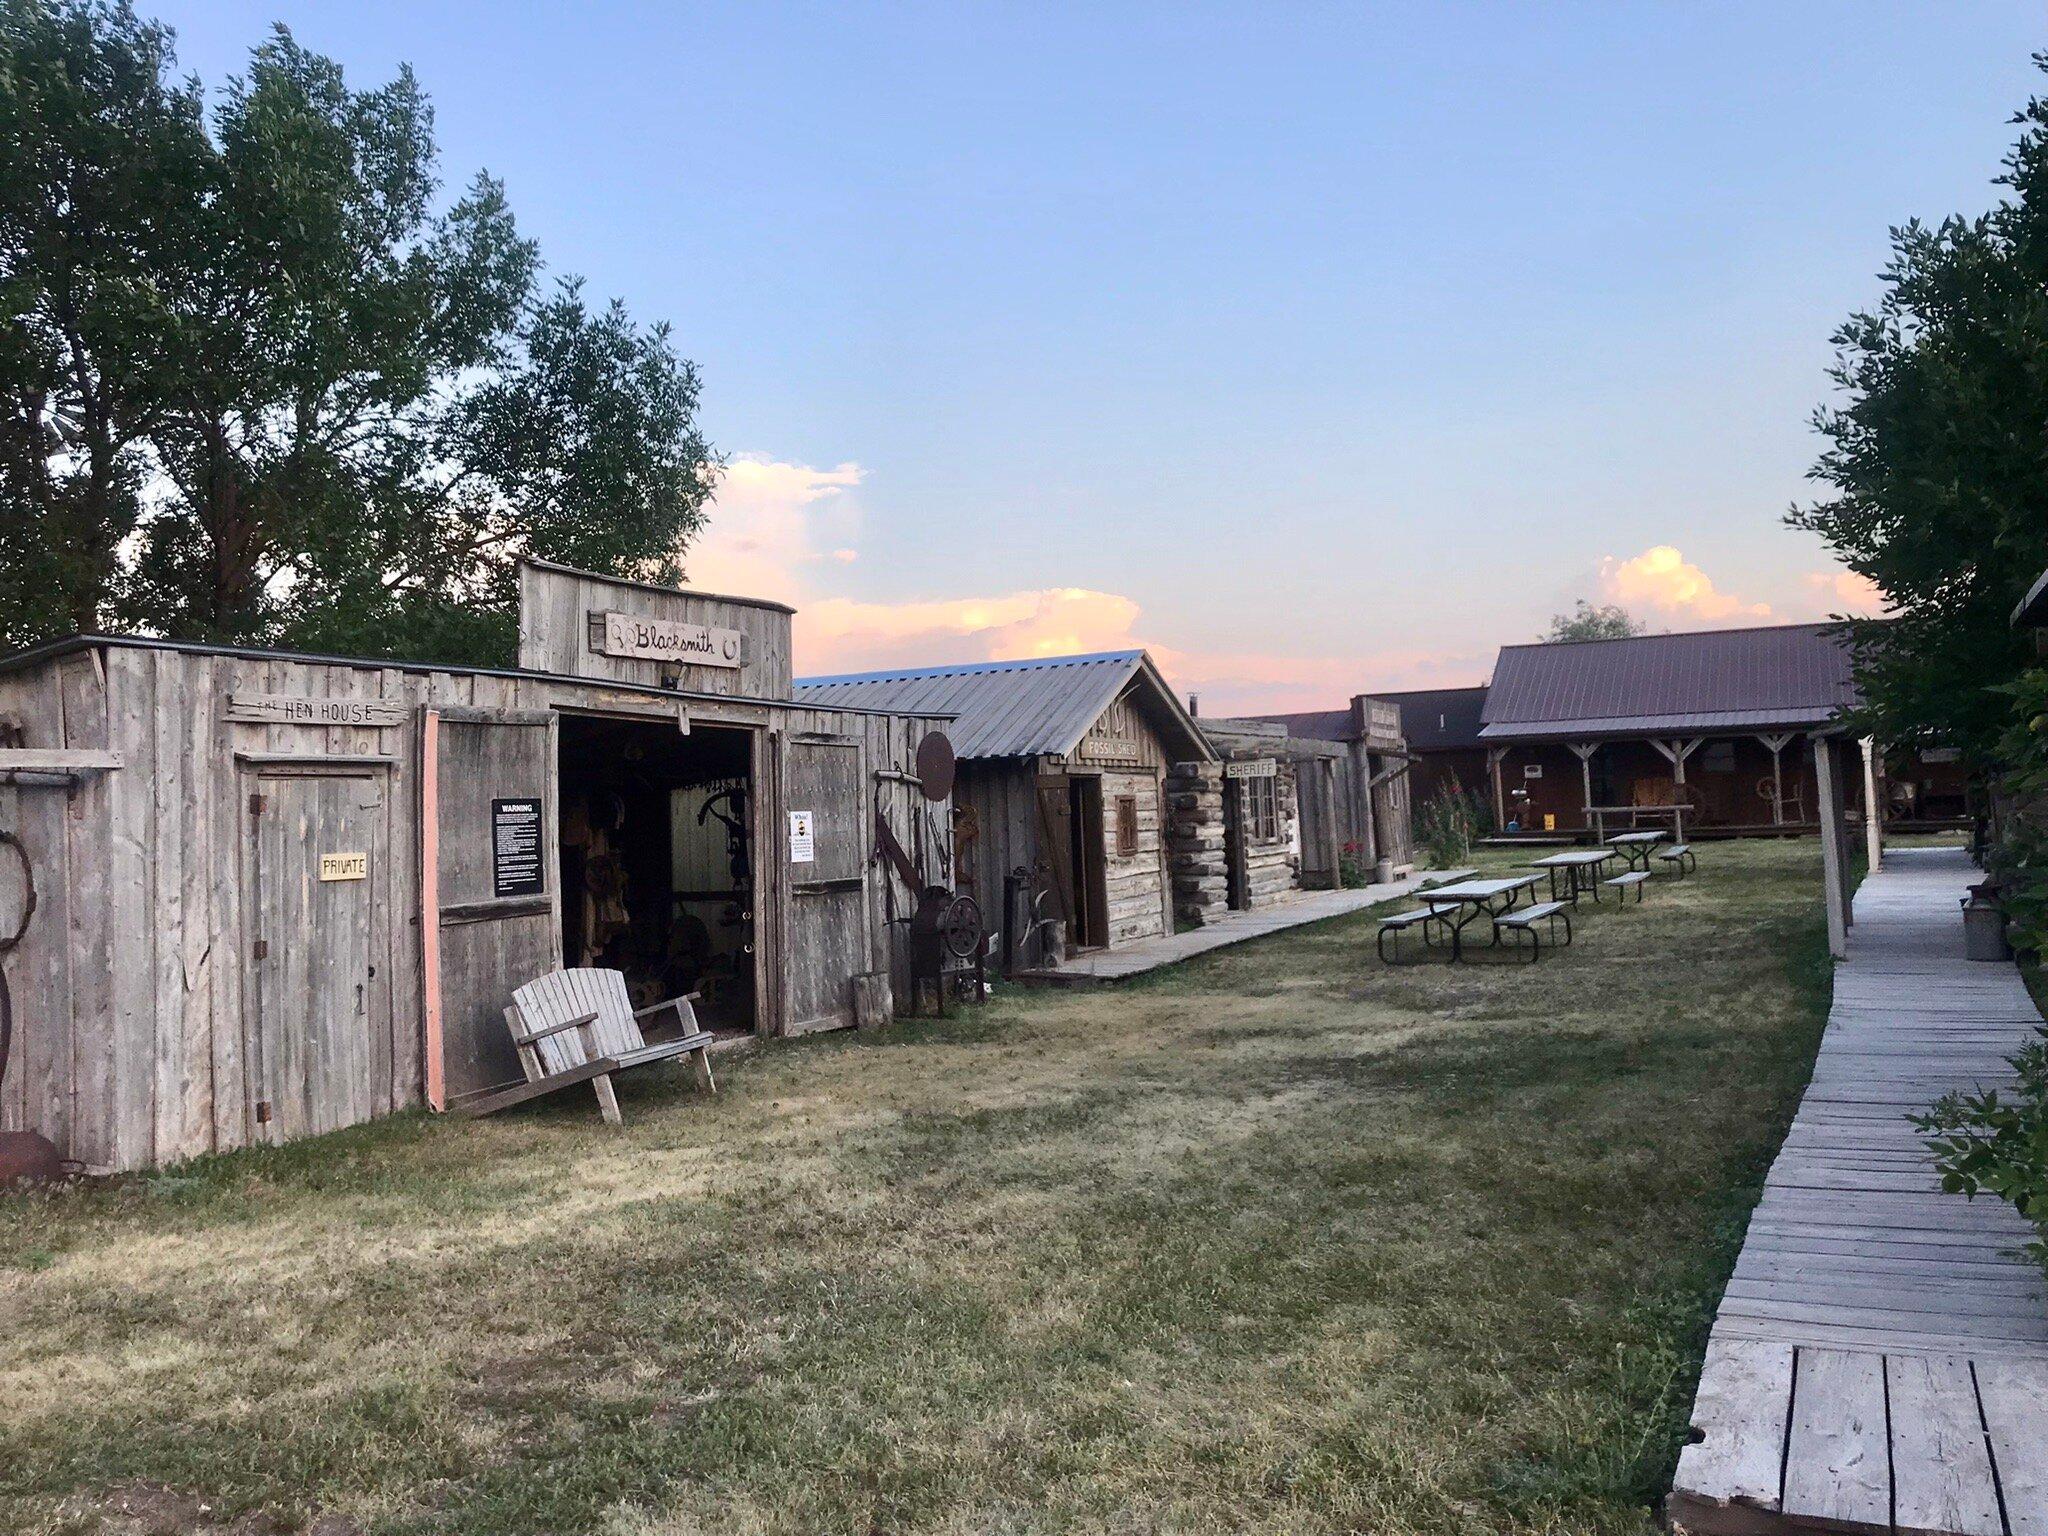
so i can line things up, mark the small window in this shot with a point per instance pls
(1718, 757)
(1126, 826)
(1262, 809)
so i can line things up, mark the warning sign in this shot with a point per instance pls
(516, 868)
(803, 837)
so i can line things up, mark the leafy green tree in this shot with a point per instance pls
(1936, 459)
(343, 410)
(1586, 622)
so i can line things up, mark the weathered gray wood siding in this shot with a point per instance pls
(1138, 889)
(554, 609)
(135, 1010)
(997, 831)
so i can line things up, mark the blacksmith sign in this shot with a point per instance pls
(694, 645)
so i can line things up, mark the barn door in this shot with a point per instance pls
(827, 816)
(322, 1025)
(490, 886)
(1056, 849)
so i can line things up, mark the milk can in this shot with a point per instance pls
(1984, 926)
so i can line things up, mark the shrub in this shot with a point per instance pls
(1352, 872)
(1447, 826)
(1994, 1144)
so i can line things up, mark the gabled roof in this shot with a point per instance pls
(1439, 719)
(1786, 677)
(1042, 705)
(1314, 724)
(2032, 612)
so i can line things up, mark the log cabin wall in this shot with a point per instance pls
(138, 996)
(1123, 746)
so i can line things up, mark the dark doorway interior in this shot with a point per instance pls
(658, 859)
(1091, 896)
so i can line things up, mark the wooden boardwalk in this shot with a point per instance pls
(1880, 1360)
(1291, 911)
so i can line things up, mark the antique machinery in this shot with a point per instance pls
(946, 932)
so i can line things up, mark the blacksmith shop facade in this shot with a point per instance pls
(278, 894)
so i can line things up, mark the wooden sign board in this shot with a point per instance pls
(634, 638)
(307, 709)
(344, 866)
(1258, 768)
(1110, 749)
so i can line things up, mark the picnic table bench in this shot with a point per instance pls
(1523, 920)
(1635, 847)
(1574, 872)
(1635, 880)
(1469, 900)
(1680, 857)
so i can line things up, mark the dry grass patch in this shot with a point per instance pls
(1281, 1240)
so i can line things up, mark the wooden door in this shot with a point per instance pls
(319, 950)
(491, 886)
(1056, 850)
(824, 845)
(1091, 877)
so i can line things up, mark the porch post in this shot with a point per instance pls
(1777, 744)
(1500, 800)
(1873, 807)
(1583, 751)
(1677, 750)
(1834, 876)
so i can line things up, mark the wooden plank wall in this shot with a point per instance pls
(1000, 795)
(554, 637)
(1139, 890)
(133, 1034)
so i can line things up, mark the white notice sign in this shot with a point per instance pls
(803, 837)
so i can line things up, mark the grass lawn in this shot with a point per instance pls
(1280, 1240)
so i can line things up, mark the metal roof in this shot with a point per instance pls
(1017, 708)
(1314, 724)
(1789, 676)
(1439, 719)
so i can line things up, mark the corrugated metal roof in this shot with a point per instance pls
(1011, 708)
(1790, 676)
(1439, 719)
(1314, 724)
(2032, 612)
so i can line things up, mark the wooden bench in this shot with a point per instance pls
(1398, 923)
(577, 1026)
(1681, 857)
(1525, 921)
(1636, 878)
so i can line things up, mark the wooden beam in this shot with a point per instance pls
(1494, 755)
(1777, 743)
(1873, 807)
(1834, 878)
(430, 910)
(1584, 750)
(64, 762)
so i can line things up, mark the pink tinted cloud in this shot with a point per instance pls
(1845, 592)
(767, 537)
(1661, 582)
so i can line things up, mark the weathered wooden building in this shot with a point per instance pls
(1362, 797)
(1060, 817)
(279, 894)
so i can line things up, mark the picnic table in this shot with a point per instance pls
(1475, 898)
(1636, 846)
(1580, 870)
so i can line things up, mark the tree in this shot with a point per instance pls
(342, 411)
(1587, 622)
(1935, 456)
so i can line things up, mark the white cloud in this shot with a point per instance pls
(1845, 592)
(770, 521)
(1662, 579)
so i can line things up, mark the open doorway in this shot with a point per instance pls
(1091, 896)
(658, 862)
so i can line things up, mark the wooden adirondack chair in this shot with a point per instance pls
(568, 1022)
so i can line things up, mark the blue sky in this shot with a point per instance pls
(1318, 348)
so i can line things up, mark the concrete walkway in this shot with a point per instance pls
(1291, 911)
(1880, 1359)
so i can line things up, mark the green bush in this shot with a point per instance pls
(1997, 1144)
(1446, 827)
